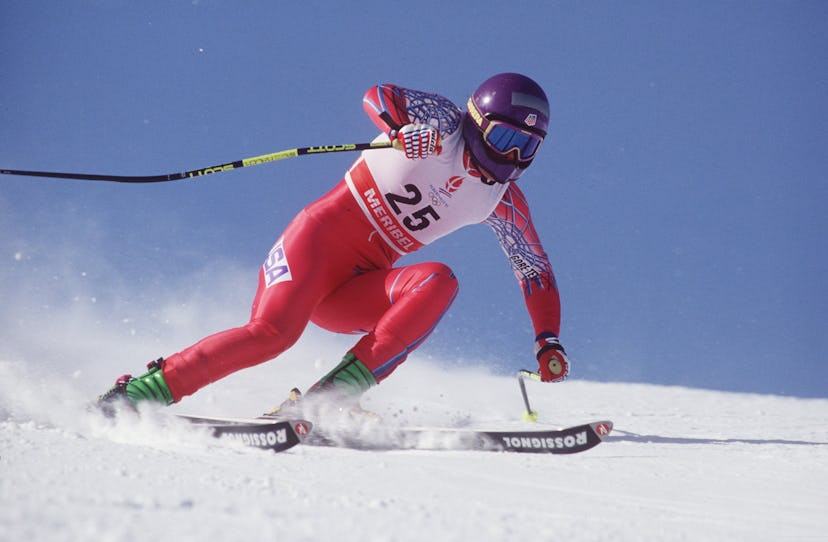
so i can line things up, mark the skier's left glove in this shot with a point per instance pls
(553, 364)
(417, 140)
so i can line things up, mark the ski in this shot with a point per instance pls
(280, 435)
(277, 436)
(569, 440)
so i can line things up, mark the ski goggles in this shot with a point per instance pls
(506, 140)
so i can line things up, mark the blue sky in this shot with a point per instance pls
(681, 193)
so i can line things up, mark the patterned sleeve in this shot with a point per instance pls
(513, 226)
(391, 107)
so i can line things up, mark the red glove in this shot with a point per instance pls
(417, 140)
(553, 365)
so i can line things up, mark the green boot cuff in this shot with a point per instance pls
(350, 377)
(149, 387)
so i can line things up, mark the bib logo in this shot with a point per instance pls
(452, 185)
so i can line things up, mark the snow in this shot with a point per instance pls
(682, 464)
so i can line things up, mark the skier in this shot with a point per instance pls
(334, 263)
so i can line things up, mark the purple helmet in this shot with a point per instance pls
(506, 122)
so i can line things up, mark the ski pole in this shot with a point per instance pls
(244, 162)
(529, 415)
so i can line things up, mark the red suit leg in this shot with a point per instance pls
(398, 308)
(291, 283)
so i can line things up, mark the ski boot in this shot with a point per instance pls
(293, 408)
(130, 391)
(338, 391)
(290, 407)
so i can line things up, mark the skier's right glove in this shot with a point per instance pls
(417, 140)
(553, 364)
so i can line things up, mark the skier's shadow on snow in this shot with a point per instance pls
(626, 436)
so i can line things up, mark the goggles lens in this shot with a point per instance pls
(504, 139)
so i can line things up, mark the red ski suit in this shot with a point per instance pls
(333, 265)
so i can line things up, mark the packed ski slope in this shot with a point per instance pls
(682, 464)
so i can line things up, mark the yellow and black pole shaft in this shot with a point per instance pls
(529, 415)
(195, 173)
